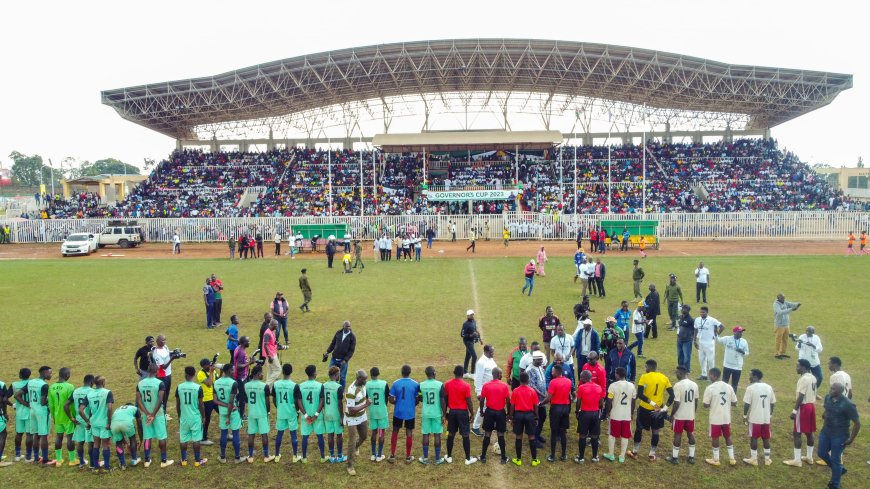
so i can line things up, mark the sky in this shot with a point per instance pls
(57, 56)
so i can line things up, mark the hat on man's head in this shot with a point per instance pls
(738, 329)
(469, 312)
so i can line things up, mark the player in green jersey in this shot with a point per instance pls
(22, 416)
(333, 414)
(126, 422)
(378, 393)
(311, 406)
(97, 413)
(226, 390)
(190, 411)
(58, 394)
(40, 421)
(257, 395)
(150, 393)
(4, 395)
(286, 394)
(81, 433)
(434, 403)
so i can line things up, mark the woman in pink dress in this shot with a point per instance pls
(542, 259)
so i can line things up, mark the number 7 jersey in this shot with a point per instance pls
(621, 393)
(759, 396)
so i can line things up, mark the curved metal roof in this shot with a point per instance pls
(770, 96)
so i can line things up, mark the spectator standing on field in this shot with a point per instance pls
(702, 282)
(231, 242)
(277, 243)
(279, 310)
(232, 333)
(781, 320)
(542, 260)
(835, 435)
(330, 252)
(176, 244)
(809, 345)
(143, 357)
(736, 349)
(685, 337)
(342, 347)
(529, 272)
(430, 235)
(259, 240)
(208, 298)
(470, 335)
(357, 253)
(707, 329)
(653, 310)
(673, 297)
(637, 275)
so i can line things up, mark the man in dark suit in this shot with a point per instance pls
(653, 310)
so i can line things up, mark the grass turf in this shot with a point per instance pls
(92, 315)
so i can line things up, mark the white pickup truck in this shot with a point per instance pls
(126, 234)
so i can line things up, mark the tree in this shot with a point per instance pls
(106, 166)
(29, 169)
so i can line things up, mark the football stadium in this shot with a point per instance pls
(295, 263)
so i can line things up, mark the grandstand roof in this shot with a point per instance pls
(467, 140)
(769, 96)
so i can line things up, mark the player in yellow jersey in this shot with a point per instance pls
(651, 388)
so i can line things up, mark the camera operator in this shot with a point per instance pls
(205, 378)
(241, 362)
(162, 357)
(270, 352)
(143, 357)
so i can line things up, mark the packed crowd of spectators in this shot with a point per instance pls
(746, 174)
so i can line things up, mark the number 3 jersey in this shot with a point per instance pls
(621, 394)
(719, 396)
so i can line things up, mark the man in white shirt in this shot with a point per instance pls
(621, 397)
(482, 375)
(526, 360)
(838, 376)
(176, 244)
(291, 245)
(638, 326)
(719, 398)
(277, 243)
(809, 345)
(587, 274)
(736, 349)
(564, 344)
(707, 328)
(702, 282)
(161, 356)
(758, 402)
(683, 412)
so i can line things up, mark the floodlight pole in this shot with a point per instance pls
(575, 175)
(374, 180)
(329, 170)
(51, 169)
(609, 178)
(561, 178)
(362, 187)
(643, 142)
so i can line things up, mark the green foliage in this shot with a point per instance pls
(102, 167)
(29, 169)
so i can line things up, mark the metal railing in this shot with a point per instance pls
(522, 225)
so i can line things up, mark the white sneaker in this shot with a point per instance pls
(135, 462)
(373, 458)
(167, 463)
(206, 443)
(449, 460)
(297, 458)
(146, 464)
(470, 461)
(381, 458)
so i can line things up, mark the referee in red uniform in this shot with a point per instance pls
(524, 412)
(590, 399)
(559, 396)
(494, 397)
(459, 411)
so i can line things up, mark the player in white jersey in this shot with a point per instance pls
(621, 397)
(683, 412)
(804, 414)
(838, 376)
(758, 402)
(719, 398)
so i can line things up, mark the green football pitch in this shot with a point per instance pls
(92, 315)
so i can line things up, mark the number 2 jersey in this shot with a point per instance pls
(621, 393)
(378, 391)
